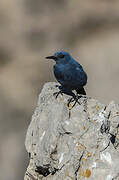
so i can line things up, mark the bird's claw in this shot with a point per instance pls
(74, 99)
(56, 94)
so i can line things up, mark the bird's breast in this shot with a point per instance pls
(59, 71)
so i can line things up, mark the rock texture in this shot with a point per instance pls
(66, 143)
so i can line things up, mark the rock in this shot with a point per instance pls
(66, 143)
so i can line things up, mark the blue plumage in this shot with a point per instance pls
(69, 73)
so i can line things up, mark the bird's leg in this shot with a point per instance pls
(73, 98)
(56, 94)
(70, 93)
(65, 91)
(76, 98)
(80, 92)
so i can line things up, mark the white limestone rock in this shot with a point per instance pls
(77, 143)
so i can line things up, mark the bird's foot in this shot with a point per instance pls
(56, 94)
(75, 100)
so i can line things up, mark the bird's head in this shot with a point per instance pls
(60, 57)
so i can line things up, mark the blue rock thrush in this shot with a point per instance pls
(70, 74)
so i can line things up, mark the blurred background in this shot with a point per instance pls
(31, 30)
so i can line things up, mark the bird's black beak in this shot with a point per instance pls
(51, 57)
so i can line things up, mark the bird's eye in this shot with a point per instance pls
(61, 56)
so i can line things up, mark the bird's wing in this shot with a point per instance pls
(75, 75)
(71, 76)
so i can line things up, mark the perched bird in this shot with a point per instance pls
(69, 73)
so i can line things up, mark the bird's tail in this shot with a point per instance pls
(81, 91)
